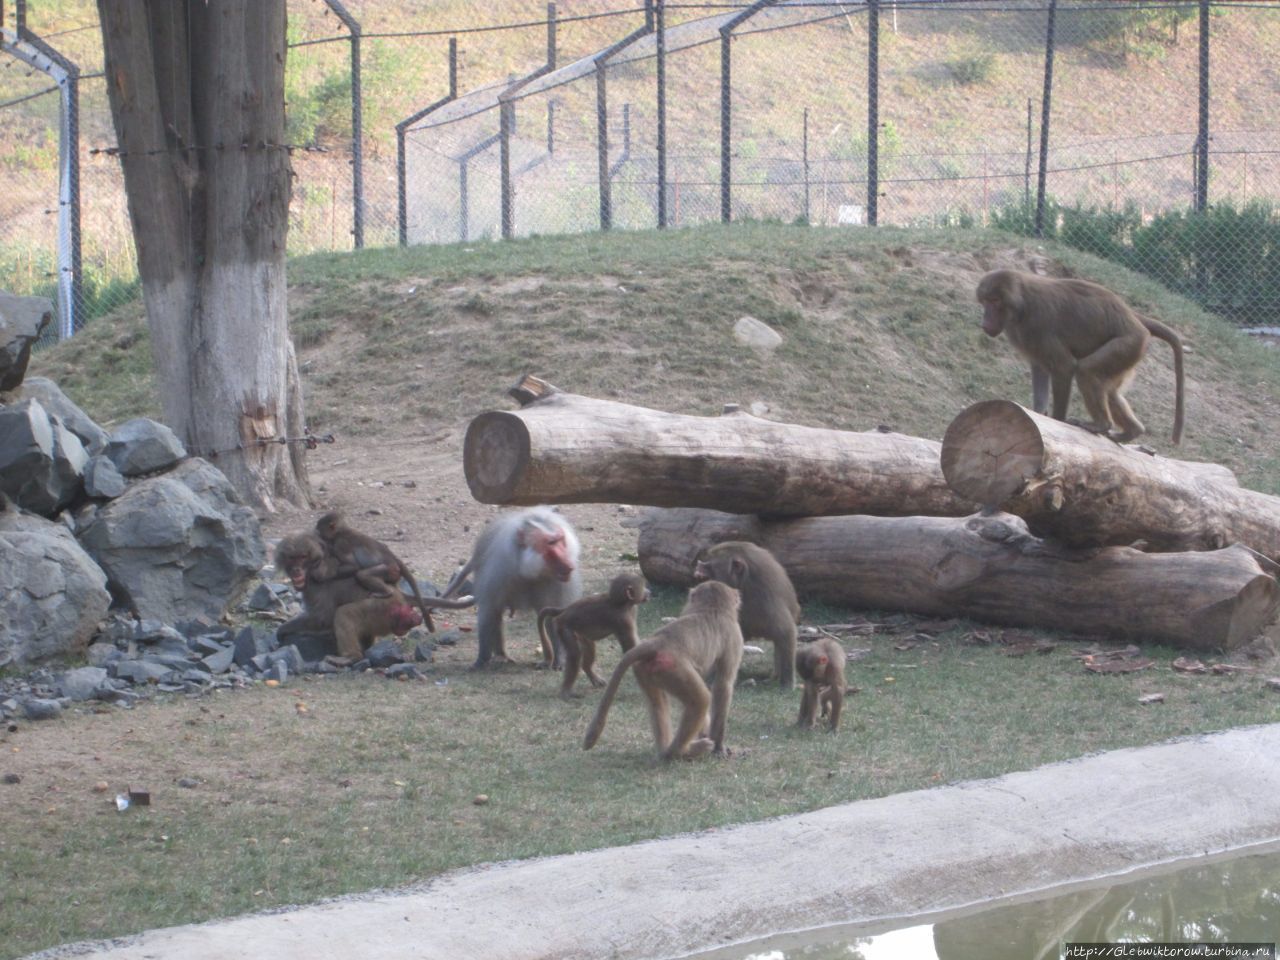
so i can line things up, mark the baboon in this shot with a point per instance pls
(374, 565)
(356, 625)
(770, 610)
(821, 667)
(576, 628)
(524, 560)
(1076, 329)
(364, 616)
(704, 641)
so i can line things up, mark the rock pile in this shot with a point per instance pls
(92, 521)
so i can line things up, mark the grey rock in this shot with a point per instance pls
(179, 545)
(405, 671)
(448, 638)
(92, 436)
(100, 654)
(142, 445)
(313, 646)
(221, 661)
(290, 656)
(40, 708)
(82, 683)
(203, 627)
(41, 461)
(22, 320)
(152, 632)
(196, 676)
(102, 479)
(269, 596)
(188, 783)
(248, 644)
(179, 662)
(52, 595)
(278, 671)
(140, 671)
(424, 652)
(203, 646)
(384, 653)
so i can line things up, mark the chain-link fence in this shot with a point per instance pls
(1143, 131)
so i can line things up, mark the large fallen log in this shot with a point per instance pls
(989, 568)
(1086, 490)
(564, 448)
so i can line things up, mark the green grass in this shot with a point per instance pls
(292, 807)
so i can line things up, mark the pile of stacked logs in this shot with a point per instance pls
(1014, 518)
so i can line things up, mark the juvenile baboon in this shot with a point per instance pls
(576, 628)
(1076, 329)
(356, 625)
(770, 610)
(374, 565)
(704, 641)
(524, 560)
(821, 667)
(364, 615)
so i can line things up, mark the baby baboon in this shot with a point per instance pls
(821, 667)
(1073, 329)
(770, 610)
(576, 628)
(370, 561)
(704, 641)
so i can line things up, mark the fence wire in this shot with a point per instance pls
(1155, 143)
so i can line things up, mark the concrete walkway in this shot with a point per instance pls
(901, 855)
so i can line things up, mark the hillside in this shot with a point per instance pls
(399, 349)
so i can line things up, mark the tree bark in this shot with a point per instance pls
(989, 568)
(1086, 490)
(197, 95)
(564, 448)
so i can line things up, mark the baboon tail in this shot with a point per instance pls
(1166, 334)
(611, 691)
(545, 614)
(457, 579)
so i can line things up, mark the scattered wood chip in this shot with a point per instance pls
(1108, 665)
(1147, 698)
(857, 653)
(980, 638)
(1189, 665)
(1273, 683)
(935, 627)
(1226, 668)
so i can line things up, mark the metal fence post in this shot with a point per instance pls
(39, 55)
(873, 112)
(402, 130)
(1044, 117)
(660, 18)
(357, 123)
(1202, 139)
(726, 104)
(507, 126)
(602, 147)
(805, 157)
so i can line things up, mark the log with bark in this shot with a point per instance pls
(989, 568)
(1086, 490)
(564, 448)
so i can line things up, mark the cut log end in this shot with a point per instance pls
(495, 456)
(530, 388)
(990, 452)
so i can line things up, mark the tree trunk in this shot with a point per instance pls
(197, 94)
(1086, 490)
(989, 568)
(564, 448)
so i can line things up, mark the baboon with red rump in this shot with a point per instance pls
(523, 560)
(821, 667)
(339, 604)
(372, 563)
(770, 610)
(1073, 329)
(576, 628)
(704, 641)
